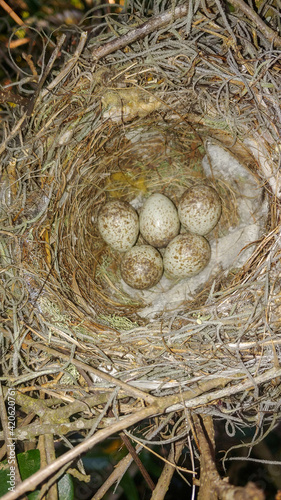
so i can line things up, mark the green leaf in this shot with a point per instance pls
(29, 463)
(4, 478)
(230, 7)
(34, 495)
(66, 488)
(152, 465)
(129, 487)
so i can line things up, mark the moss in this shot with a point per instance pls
(118, 322)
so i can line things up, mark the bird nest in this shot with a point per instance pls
(189, 96)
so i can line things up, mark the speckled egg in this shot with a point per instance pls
(159, 221)
(186, 255)
(118, 224)
(142, 267)
(199, 209)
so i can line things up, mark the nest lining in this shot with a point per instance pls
(77, 149)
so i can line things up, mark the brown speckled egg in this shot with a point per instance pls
(159, 220)
(186, 255)
(118, 225)
(199, 209)
(142, 267)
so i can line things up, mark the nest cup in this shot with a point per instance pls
(144, 159)
(159, 152)
(129, 125)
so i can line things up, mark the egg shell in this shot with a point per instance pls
(142, 267)
(186, 255)
(118, 224)
(159, 221)
(199, 209)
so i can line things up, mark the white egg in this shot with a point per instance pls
(118, 225)
(186, 255)
(199, 209)
(159, 221)
(142, 267)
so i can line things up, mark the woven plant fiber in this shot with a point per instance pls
(143, 104)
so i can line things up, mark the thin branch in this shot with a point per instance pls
(208, 473)
(60, 428)
(32, 482)
(141, 31)
(129, 389)
(51, 457)
(122, 466)
(270, 34)
(11, 13)
(23, 423)
(206, 398)
(190, 398)
(70, 64)
(137, 460)
(160, 405)
(13, 44)
(183, 469)
(167, 472)
(14, 132)
(41, 407)
(45, 74)
(212, 487)
(157, 407)
(115, 476)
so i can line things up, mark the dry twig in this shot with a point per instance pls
(137, 460)
(270, 34)
(11, 13)
(212, 487)
(167, 473)
(141, 31)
